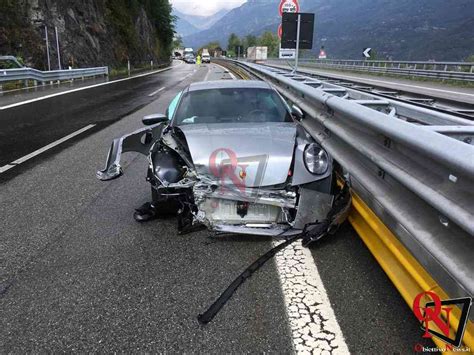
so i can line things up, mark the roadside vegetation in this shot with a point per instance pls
(267, 39)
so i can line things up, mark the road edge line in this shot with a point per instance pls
(44, 149)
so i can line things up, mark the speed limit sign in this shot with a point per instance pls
(289, 6)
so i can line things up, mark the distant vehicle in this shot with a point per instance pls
(257, 54)
(188, 51)
(206, 57)
(189, 58)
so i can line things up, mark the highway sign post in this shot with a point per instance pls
(239, 49)
(297, 32)
(47, 47)
(292, 6)
(57, 48)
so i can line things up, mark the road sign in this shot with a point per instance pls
(322, 54)
(290, 30)
(287, 53)
(288, 6)
(367, 52)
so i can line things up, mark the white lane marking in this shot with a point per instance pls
(187, 76)
(83, 88)
(45, 148)
(157, 91)
(233, 77)
(208, 72)
(390, 82)
(313, 323)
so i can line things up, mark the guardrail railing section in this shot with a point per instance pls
(411, 165)
(25, 74)
(459, 71)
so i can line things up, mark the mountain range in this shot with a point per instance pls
(189, 24)
(400, 30)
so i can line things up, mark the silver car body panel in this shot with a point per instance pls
(263, 151)
(139, 141)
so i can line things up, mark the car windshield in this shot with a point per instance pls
(231, 105)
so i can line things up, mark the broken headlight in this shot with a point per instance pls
(316, 159)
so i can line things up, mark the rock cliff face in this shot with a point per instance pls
(91, 32)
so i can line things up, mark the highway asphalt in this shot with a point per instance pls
(77, 273)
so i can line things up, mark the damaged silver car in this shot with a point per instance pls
(232, 156)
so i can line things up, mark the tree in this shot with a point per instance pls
(270, 40)
(177, 42)
(233, 42)
(250, 41)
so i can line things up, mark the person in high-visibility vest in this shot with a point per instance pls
(198, 60)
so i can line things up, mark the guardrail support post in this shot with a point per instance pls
(128, 67)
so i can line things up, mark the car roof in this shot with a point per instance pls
(228, 84)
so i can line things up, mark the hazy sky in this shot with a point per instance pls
(205, 7)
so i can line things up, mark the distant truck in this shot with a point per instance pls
(205, 56)
(257, 54)
(188, 51)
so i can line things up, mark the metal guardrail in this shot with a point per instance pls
(10, 58)
(414, 167)
(46, 76)
(461, 71)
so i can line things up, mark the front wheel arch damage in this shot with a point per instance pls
(139, 141)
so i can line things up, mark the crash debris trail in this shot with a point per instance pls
(311, 233)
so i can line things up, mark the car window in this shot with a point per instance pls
(172, 107)
(231, 105)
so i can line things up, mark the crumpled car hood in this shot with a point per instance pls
(252, 154)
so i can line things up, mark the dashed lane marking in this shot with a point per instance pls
(157, 91)
(44, 149)
(208, 72)
(187, 76)
(313, 323)
(227, 71)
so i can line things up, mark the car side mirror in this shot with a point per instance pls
(154, 119)
(297, 112)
